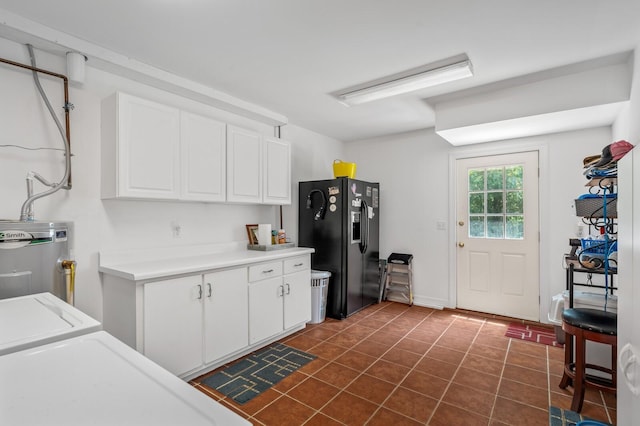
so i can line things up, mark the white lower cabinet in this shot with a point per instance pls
(189, 321)
(297, 300)
(265, 315)
(191, 324)
(173, 323)
(226, 313)
(279, 297)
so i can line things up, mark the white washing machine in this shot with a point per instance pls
(95, 379)
(37, 319)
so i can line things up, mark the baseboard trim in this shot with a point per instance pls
(428, 302)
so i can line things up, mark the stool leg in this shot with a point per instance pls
(568, 359)
(579, 382)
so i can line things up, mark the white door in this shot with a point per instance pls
(628, 399)
(173, 323)
(498, 235)
(149, 153)
(265, 309)
(226, 313)
(244, 165)
(277, 171)
(203, 158)
(297, 299)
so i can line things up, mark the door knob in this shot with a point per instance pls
(460, 244)
(461, 223)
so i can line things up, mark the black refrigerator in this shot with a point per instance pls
(340, 219)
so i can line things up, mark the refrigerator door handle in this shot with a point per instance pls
(364, 227)
(366, 247)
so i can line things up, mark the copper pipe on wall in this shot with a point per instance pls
(67, 105)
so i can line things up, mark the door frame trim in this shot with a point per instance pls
(543, 211)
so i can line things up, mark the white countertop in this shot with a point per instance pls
(152, 264)
(95, 379)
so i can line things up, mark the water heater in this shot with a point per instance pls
(31, 258)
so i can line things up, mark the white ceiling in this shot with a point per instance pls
(289, 55)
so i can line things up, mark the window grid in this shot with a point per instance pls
(495, 197)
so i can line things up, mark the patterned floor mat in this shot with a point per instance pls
(257, 372)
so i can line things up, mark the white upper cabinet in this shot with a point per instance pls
(258, 168)
(244, 165)
(277, 171)
(154, 151)
(203, 158)
(140, 148)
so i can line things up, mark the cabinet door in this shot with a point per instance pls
(244, 165)
(628, 297)
(148, 149)
(226, 313)
(297, 298)
(265, 308)
(173, 323)
(203, 158)
(277, 171)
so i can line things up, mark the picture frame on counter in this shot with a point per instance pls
(252, 233)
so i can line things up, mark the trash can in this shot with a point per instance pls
(319, 288)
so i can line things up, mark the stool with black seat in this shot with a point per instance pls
(588, 325)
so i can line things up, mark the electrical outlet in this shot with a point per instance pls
(176, 229)
(441, 226)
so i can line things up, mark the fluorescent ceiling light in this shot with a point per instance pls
(409, 83)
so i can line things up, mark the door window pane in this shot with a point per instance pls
(495, 227)
(515, 202)
(476, 180)
(476, 226)
(514, 178)
(515, 227)
(495, 179)
(494, 202)
(476, 203)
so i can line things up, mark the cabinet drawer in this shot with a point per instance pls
(265, 270)
(296, 264)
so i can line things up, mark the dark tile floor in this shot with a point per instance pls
(392, 364)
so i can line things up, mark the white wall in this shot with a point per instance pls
(413, 171)
(312, 160)
(115, 224)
